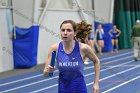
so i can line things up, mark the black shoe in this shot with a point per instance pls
(135, 58)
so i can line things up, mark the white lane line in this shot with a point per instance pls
(121, 84)
(123, 66)
(114, 74)
(20, 80)
(119, 55)
(138, 91)
(113, 61)
(85, 76)
(110, 67)
(57, 70)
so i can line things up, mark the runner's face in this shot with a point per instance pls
(67, 32)
(114, 27)
(100, 26)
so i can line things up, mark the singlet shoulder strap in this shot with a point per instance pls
(77, 47)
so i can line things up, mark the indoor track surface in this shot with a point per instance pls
(119, 74)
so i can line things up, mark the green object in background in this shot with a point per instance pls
(126, 12)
